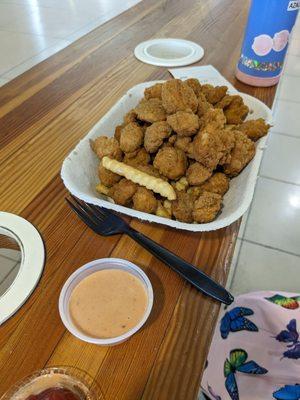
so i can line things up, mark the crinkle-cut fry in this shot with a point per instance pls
(102, 189)
(158, 185)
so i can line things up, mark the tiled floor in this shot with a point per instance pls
(268, 252)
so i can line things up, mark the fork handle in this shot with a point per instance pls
(193, 275)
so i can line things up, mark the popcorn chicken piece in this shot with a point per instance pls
(107, 177)
(228, 140)
(206, 207)
(105, 146)
(139, 157)
(181, 184)
(254, 128)
(122, 192)
(213, 119)
(182, 207)
(197, 174)
(183, 143)
(234, 109)
(144, 200)
(203, 105)
(218, 183)
(206, 149)
(172, 139)
(184, 123)
(241, 154)
(225, 102)
(161, 211)
(153, 92)
(130, 117)
(214, 94)
(195, 85)
(178, 96)
(131, 137)
(195, 191)
(155, 135)
(170, 162)
(117, 134)
(151, 110)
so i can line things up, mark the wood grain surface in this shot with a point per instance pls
(43, 114)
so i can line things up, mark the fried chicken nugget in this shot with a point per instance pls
(197, 174)
(107, 178)
(131, 137)
(105, 146)
(206, 207)
(183, 143)
(182, 207)
(162, 211)
(203, 105)
(241, 154)
(184, 123)
(117, 134)
(218, 183)
(195, 85)
(155, 135)
(123, 191)
(214, 94)
(172, 139)
(178, 96)
(150, 110)
(235, 110)
(207, 148)
(255, 128)
(153, 92)
(130, 117)
(214, 118)
(137, 158)
(171, 162)
(144, 200)
(228, 140)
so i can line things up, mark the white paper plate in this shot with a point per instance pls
(79, 169)
(169, 52)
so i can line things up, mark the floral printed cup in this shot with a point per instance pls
(280, 40)
(262, 45)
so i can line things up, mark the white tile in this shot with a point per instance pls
(292, 66)
(19, 47)
(6, 265)
(243, 224)
(281, 158)
(14, 255)
(3, 81)
(290, 88)
(6, 283)
(233, 263)
(31, 62)
(287, 118)
(260, 268)
(274, 218)
(294, 47)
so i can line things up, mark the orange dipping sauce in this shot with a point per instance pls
(108, 303)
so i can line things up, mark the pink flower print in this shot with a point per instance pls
(262, 45)
(280, 40)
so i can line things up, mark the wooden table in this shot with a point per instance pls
(43, 114)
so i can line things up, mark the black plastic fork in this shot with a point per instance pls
(106, 223)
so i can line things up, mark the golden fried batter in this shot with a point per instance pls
(213, 119)
(155, 134)
(255, 128)
(131, 137)
(107, 178)
(218, 183)
(242, 152)
(170, 162)
(195, 85)
(178, 96)
(144, 200)
(203, 105)
(130, 117)
(214, 94)
(122, 192)
(105, 146)
(206, 207)
(153, 92)
(117, 134)
(150, 110)
(150, 170)
(224, 102)
(207, 148)
(162, 211)
(228, 140)
(184, 123)
(172, 139)
(182, 207)
(236, 111)
(197, 174)
(183, 143)
(140, 157)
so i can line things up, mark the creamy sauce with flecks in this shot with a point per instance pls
(108, 303)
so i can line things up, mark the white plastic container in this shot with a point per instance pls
(80, 168)
(88, 269)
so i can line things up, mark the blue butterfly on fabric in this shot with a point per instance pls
(291, 337)
(237, 363)
(288, 392)
(234, 321)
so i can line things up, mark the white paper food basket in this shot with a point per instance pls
(80, 168)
